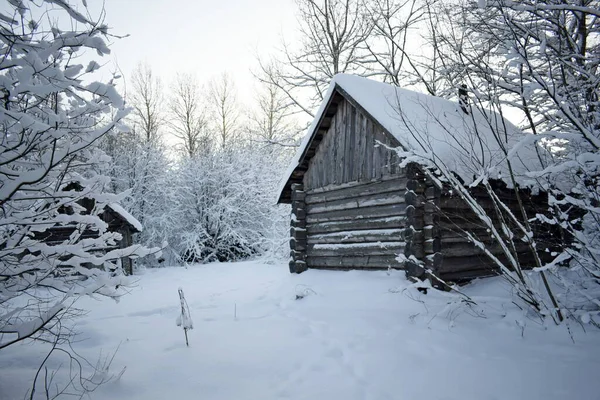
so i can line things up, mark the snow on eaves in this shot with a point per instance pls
(435, 128)
(130, 219)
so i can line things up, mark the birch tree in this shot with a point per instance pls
(271, 123)
(188, 119)
(225, 113)
(147, 100)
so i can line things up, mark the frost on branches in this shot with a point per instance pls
(540, 57)
(51, 116)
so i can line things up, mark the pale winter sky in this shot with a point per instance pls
(202, 37)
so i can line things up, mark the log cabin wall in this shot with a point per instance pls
(354, 196)
(461, 259)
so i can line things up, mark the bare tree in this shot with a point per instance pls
(188, 116)
(147, 100)
(332, 34)
(271, 123)
(225, 109)
(392, 24)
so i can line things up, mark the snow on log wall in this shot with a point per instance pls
(462, 259)
(356, 226)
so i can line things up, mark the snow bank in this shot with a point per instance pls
(354, 335)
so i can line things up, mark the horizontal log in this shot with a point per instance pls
(466, 275)
(413, 212)
(453, 203)
(298, 233)
(431, 219)
(366, 212)
(526, 260)
(454, 264)
(356, 249)
(359, 236)
(414, 249)
(431, 231)
(355, 189)
(378, 199)
(298, 245)
(300, 214)
(363, 262)
(298, 224)
(297, 266)
(469, 249)
(432, 192)
(432, 246)
(298, 207)
(430, 207)
(434, 261)
(367, 223)
(414, 185)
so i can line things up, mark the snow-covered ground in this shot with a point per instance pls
(356, 335)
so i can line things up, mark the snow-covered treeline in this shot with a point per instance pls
(201, 172)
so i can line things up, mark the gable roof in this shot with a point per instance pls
(126, 217)
(430, 126)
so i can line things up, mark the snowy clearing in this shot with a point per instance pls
(355, 335)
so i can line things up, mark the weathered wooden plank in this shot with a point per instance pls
(378, 199)
(340, 132)
(370, 147)
(457, 235)
(453, 264)
(366, 212)
(362, 149)
(358, 236)
(364, 262)
(355, 249)
(331, 154)
(351, 140)
(464, 275)
(356, 189)
(468, 249)
(367, 223)
(486, 203)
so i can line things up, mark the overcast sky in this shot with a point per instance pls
(203, 37)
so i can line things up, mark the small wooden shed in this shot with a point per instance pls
(117, 218)
(355, 207)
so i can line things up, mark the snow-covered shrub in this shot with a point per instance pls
(143, 171)
(225, 206)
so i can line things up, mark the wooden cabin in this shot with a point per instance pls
(117, 218)
(356, 205)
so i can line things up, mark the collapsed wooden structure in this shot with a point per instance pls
(355, 207)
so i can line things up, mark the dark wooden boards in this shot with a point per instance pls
(352, 148)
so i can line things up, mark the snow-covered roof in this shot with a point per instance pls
(428, 126)
(130, 219)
